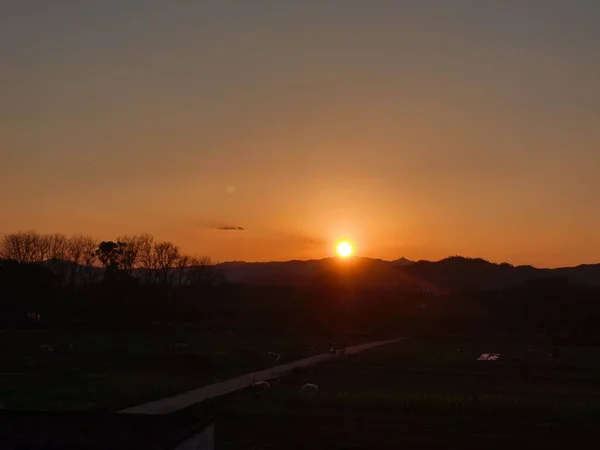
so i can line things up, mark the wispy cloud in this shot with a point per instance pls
(231, 228)
(212, 224)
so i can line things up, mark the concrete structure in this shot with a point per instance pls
(97, 431)
(181, 401)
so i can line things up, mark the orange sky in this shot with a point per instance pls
(421, 130)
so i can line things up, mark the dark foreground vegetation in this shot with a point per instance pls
(100, 326)
(57, 281)
(421, 393)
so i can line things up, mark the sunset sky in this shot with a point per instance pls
(415, 128)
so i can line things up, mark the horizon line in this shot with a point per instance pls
(282, 261)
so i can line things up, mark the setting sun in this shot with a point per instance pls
(344, 249)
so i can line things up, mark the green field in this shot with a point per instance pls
(417, 388)
(107, 370)
(403, 394)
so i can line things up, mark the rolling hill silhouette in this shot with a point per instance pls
(469, 273)
(366, 272)
(450, 274)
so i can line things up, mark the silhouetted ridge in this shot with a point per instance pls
(457, 273)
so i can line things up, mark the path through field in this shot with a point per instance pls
(186, 399)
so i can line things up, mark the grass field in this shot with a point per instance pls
(107, 370)
(413, 391)
(417, 392)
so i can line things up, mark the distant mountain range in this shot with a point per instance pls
(450, 274)
(447, 275)
(465, 273)
(366, 272)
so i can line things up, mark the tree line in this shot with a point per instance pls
(51, 280)
(83, 260)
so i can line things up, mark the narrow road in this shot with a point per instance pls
(181, 401)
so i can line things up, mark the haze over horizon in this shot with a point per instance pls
(267, 130)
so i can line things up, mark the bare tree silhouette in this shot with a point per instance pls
(23, 246)
(81, 254)
(167, 255)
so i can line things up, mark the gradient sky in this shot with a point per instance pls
(417, 128)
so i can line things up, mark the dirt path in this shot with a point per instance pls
(181, 401)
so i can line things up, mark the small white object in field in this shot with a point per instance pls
(310, 387)
(179, 345)
(34, 316)
(261, 386)
(277, 355)
(489, 357)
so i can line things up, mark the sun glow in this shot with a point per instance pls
(344, 249)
